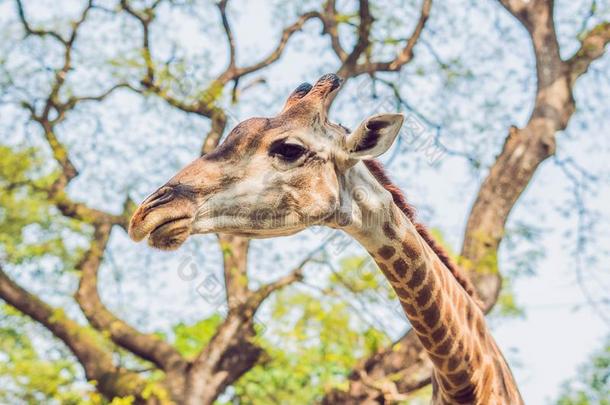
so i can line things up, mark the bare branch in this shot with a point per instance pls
(73, 101)
(96, 359)
(59, 152)
(61, 73)
(84, 213)
(592, 47)
(350, 66)
(235, 264)
(222, 7)
(582, 181)
(57, 192)
(148, 347)
(205, 106)
(217, 128)
(265, 291)
(145, 18)
(295, 275)
(228, 355)
(363, 42)
(329, 19)
(33, 31)
(406, 53)
(279, 49)
(515, 7)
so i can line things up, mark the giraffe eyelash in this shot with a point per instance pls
(288, 152)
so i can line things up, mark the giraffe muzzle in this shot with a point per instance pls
(165, 217)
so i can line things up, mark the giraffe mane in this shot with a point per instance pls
(400, 200)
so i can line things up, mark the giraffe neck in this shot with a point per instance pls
(468, 367)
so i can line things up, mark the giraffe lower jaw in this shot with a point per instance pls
(170, 235)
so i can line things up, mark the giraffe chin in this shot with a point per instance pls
(170, 235)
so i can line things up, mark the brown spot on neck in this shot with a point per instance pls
(388, 231)
(377, 170)
(386, 252)
(400, 266)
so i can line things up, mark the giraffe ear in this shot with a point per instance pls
(374, 136)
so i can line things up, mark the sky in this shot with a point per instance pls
(558, 329)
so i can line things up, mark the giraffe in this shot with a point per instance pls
(277, 176)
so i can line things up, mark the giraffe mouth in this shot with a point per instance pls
(165, 218)
(170, 234)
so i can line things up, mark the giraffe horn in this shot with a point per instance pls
(325, 86)
(297, 95)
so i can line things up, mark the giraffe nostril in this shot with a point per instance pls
(159, 197)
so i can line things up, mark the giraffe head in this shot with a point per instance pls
(270, 177)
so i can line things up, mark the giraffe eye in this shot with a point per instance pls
(288, 152)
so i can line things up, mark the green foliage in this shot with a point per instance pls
(28, 377)
(30, 226)
(314, 346)
(32, 230)
(593, 384)
(314, 342)
(507, 305)
(322, 350)
(359, 275)
(190, 339)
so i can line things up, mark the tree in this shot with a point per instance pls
(76, 79)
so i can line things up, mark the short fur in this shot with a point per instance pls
(400, 200)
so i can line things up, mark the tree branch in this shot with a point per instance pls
(350, 66)
(59, 151)
(592, 47)
(208, 373)
(56, 192)
(279, 49)
(329, 19)
(363, 42)
(515, 7)
(36, 31)
(222, 7)
(232, 352)
(406, 53)
(217, 128)
(145, 17)
(235, 264)
(262, 293)
(74, 100)
(148, 347)
(61, 73)
(82, 342)
(265, 291)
